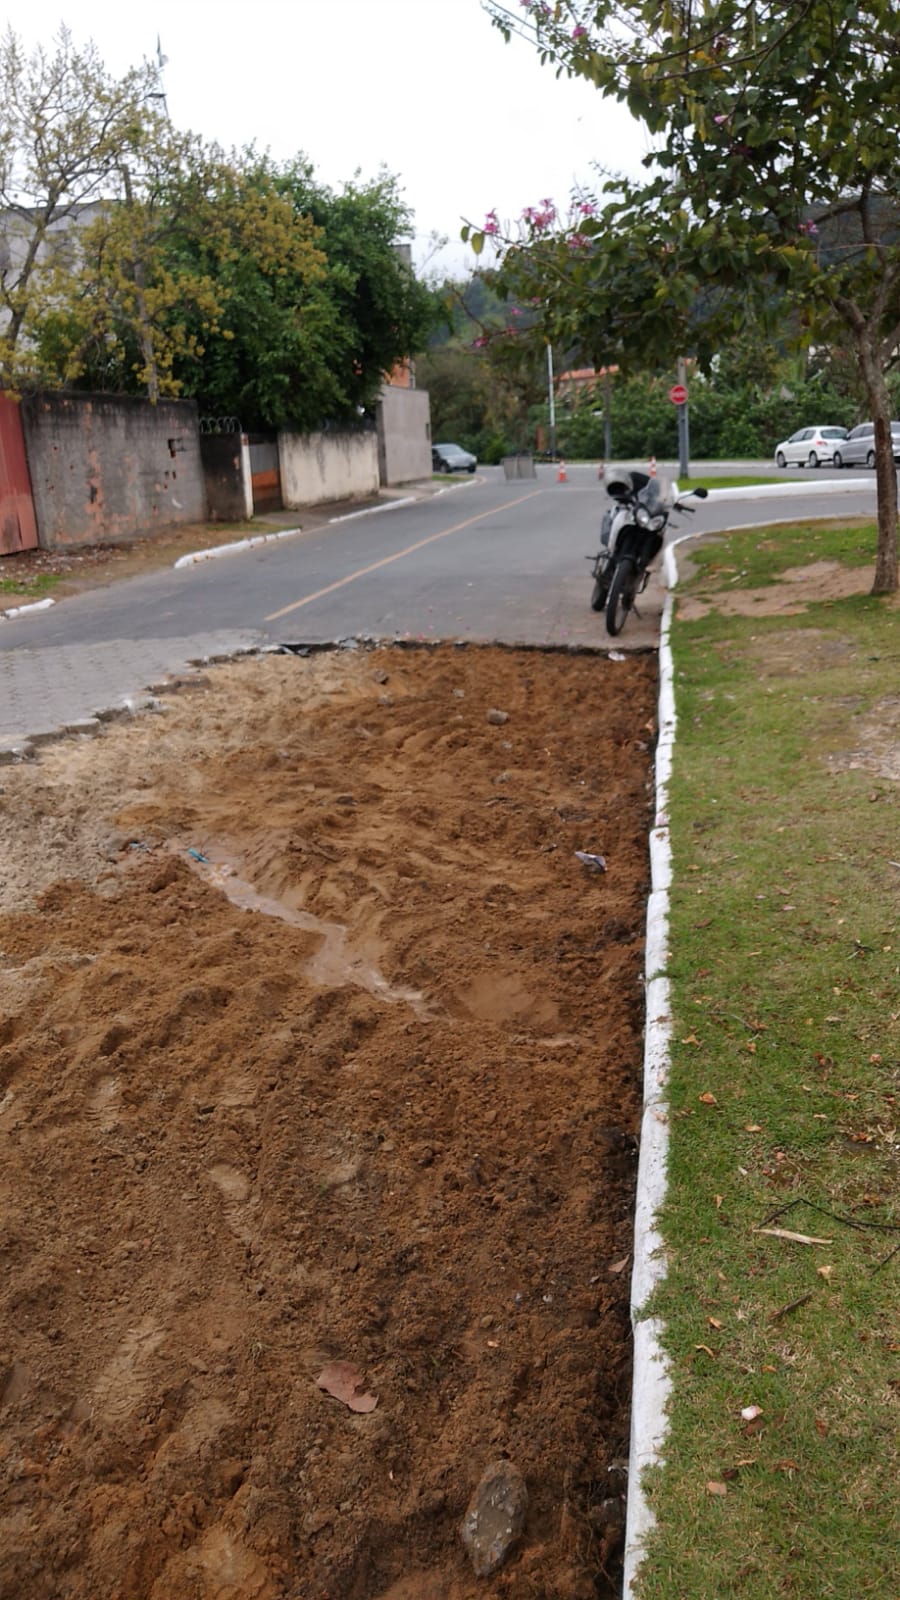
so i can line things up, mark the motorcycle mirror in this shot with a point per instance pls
(701, 493)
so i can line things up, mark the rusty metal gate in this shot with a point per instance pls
(265, 472)
(18, 527)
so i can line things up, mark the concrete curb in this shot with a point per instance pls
(215, 550)
(763, 491)
(21, 611)
(652, 1383)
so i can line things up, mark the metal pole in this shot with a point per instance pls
(684, 470)
(552, 399)
(607, 416)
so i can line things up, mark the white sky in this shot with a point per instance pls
(427, 87)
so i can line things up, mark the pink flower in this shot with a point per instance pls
(479, 344)
(580, 32)
(587, 208)
(577, 241)
(491, 225)
(723, 118)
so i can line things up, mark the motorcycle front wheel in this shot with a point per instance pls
(621, 596)
(598, 595)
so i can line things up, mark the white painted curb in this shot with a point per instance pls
(21, 611)
(372, 511)
(761, 491)
(652, 1384)
(194, 556)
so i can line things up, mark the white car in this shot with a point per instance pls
(809, 447)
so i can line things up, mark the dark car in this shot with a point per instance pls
(858, 449)
(452, 458)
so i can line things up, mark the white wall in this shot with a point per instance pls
(404, 435)
(327, 466)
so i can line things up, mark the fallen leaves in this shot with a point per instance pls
(717, 1488)
(707, 1099)
(344, 1381)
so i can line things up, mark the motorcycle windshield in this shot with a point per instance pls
(656, 496)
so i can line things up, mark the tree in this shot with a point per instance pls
(66, 127)
(140, 259)
(776, 199)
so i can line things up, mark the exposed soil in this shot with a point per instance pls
(796, 589)
(239, 1145)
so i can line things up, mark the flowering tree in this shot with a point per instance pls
(772, 198)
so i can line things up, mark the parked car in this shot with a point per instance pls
(858, 449)
(809, 447)
(452, 458)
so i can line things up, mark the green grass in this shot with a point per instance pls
(754, 557)
(741, 481)
(785, 966)
(35, 587)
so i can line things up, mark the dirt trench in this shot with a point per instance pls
(383, 1111)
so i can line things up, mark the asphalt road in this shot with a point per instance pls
(486, 560)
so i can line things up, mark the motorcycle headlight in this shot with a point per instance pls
(647, 519)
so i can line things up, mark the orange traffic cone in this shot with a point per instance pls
(561, 475)
(653, 466)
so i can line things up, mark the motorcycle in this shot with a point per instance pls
(631, 537)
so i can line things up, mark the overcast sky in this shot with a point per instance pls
(427, 87)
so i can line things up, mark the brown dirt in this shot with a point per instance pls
(235, 1148)
(796, 590)
(92, 565)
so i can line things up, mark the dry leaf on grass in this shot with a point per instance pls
(344, 1381)
(717, 1488)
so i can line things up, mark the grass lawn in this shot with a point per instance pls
(32, 588)
(782, 1461)
(739, 481)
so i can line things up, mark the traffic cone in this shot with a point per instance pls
(561, 475)
(653, 466)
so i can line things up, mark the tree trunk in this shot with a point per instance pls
(886, 567)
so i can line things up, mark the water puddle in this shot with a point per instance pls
(334, 963)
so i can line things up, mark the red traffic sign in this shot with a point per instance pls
(678, 394)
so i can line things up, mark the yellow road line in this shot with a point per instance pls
(363, 572)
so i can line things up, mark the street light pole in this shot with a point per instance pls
(552, 400)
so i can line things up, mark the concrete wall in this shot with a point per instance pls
(404, 435)
(107, 467)
(315, 467)
(226, 471)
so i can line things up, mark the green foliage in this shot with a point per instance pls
(244, 283)
(776, 200)
(727, 421)
(67, 131)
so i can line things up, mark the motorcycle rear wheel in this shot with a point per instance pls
(621, 596)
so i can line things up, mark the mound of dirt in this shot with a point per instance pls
(317, 1046)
